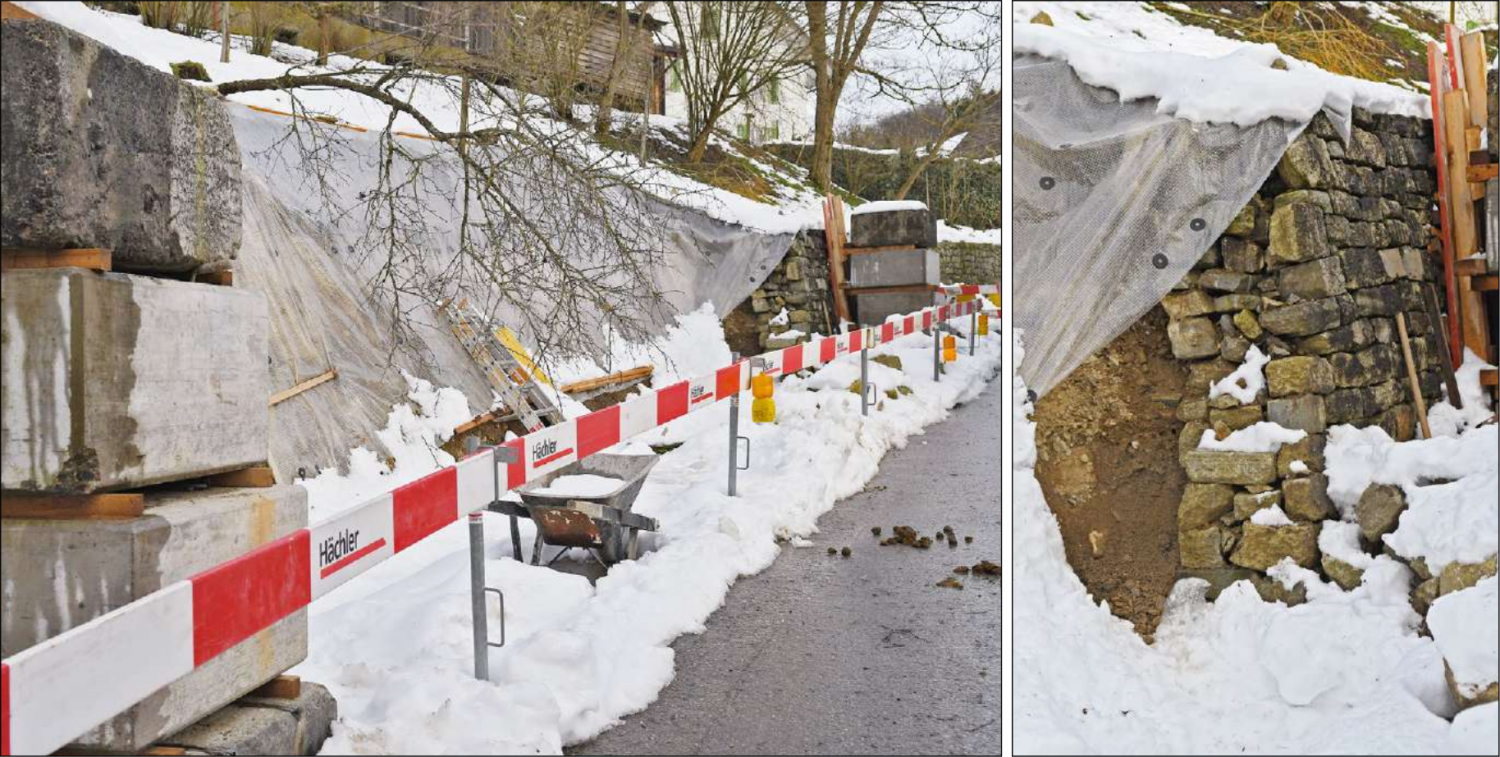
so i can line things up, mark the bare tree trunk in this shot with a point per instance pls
(916, 173)
(322, 36)
(223, 31)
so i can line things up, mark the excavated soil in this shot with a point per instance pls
(1107, 461)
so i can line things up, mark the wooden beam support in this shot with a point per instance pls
(1475, 329)
(874, 250)
(92, 258)
(1483, 172)
(1471, 267)
(1411, 376)
(224, 278)
(902, 289)
(286, 394)
(71, 507)
(280, 687)
(256, 477)
(1485, 283)
(619, 377)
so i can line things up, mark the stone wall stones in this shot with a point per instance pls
(970, 263)
(799, 284)
(1311, 274)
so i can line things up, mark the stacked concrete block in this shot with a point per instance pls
(116, 381)
(1311, 274)
(892, 225)
(101, 150)
(60, 574)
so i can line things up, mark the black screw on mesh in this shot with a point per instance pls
(1048, 182)
(1159, 260)
(1197, 224)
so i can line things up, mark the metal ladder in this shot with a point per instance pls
(518, 390)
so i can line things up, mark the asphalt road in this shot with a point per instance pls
(821, 654)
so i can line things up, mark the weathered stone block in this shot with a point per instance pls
(1306, 498)
(1220, 467)
(1187, 304)
(1373, 365)
(101, 150)
(1304, 318)
(1459, 576)
(1261, 547)
(1201, 548)
(880, 228)
(1221, 280)
(1241, 255)
(1232, 303)
(1349, 405)
(1365, 267)
(873, 309)
(1193, 338)
(1345, 575)
(1345, 338)
(1246, 504)
(1235, 418)
(114, 381)
(264, 726)
(106, 564)
(1248, 325)
(1300, 374)
(1203, 504)
(1304, 411)
(1298, 235)
(1379, 510)
(1312, 280)
(1308, 450)
(1306, 164)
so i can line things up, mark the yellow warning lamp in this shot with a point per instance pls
(950, 348)
(984, 324)
(763, 408)
(966, 297)
(994, 299)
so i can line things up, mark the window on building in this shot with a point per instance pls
(674, 79)
(774, 132)
(745, 129)
(773, 92)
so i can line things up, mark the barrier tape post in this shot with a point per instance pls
(973, 329)
(476, 596)
(937, 352)
(864, 377)
(734, 431)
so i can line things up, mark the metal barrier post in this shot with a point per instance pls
(476, 596)
(973, 329)
(864, 376)
(937, 349)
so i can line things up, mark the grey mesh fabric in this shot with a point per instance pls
(1113, 203)
(328, 311)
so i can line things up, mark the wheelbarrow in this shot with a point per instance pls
(600, 523)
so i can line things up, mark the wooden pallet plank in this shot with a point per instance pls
(1483, 172)
(1471, 267)
(1471, 50)
(619, 377)
(1437, 82)
(286, 394)
(92, 258)
(1488, 376)
(833, 231)
(223, 278)
(1474, 325)
(281, 687)
(72, 507)
(254, 477)
(1485, 283)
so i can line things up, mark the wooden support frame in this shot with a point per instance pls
(1471, 316)
(91, 258)
(281, 687)
(833, 232)
(72, 507)
(873, 250)
(901, 289)
(254, 477)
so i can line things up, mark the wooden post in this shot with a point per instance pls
(1411, 376)
(1461, 215)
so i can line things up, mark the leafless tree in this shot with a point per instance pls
(511, 210)
(729, 52)
(835, 45)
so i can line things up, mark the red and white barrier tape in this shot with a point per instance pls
(971, 288)
(57, 690)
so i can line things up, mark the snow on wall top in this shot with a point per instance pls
(1195, 74)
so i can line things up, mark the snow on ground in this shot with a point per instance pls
(1344, 672)
(1195, 74)
(954, 233)
(1467, 629)
(1261, 436)
(394, 645)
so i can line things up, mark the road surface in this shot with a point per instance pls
(865, 654)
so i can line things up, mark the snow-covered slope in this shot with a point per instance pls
(1196, 74)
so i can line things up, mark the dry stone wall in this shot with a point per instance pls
(1309, 279)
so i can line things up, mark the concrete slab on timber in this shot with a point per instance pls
(101, 150)
(59, 574)
(112, 381)
(915, 226)
(895, 268)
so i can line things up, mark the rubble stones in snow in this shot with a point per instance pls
(1308, 450)
(1261, 547)
(1345, 575)
(1460, 576)
(1379, 510)
(101, 150)
(1306, 499)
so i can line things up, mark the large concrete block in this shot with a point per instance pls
(895, 268)
(873, 309)
(115, 381)
(101, 150)
(875, 226)
(60, 574)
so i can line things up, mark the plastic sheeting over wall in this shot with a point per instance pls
(1113, 204)
(329, 311)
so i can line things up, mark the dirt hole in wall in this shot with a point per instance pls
(1107, 462)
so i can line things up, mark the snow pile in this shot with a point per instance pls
(394, 645)
(1340, 540)
(1262, 436)
(887, 206)
(1270, 516)
(947, 232)
(1247, 381)
(1467, 630)
(1194, 73)
(1452, 489)
(1447, 420)
(581, 485)
(1345, 672)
